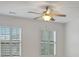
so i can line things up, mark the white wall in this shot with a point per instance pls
(72, 38)
(31, 34)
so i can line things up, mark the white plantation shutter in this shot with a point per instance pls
(10, 41)
(48, 43)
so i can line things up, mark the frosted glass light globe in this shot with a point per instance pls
(46, 18)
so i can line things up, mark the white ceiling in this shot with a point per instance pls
(20, 9)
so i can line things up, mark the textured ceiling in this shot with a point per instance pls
(20, 9)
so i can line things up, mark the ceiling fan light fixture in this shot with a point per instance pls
(47, 18)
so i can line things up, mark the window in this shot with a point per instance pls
(10, 41)
(48, 43)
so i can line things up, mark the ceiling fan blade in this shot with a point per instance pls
(62, 15)
(36, 17)
(52, 19)
(34, 12)
(58, 14)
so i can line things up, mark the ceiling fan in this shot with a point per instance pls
(48, 14)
